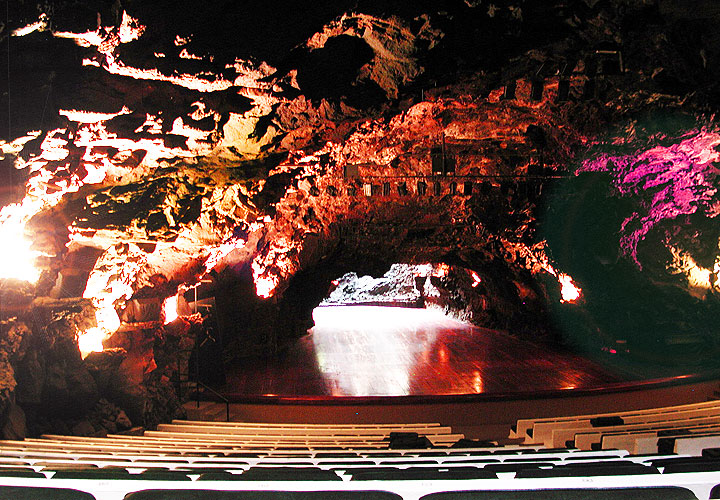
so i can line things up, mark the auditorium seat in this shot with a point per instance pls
(260, 495)
(715, 492)
(692, 445)
(517, 466)
(526, 428)
(218, 476)
(668, 493)
(589, 470)
(565, 435)
(408, 461)
(163, 475)
(420, 473)
(677, 464)
(288, 474)
(551, 434)
(691, 442)
(70, 464)
(152, 464)
(42, 493)
(97, 474)
(20, 472)
(11, 462)
(705, 466)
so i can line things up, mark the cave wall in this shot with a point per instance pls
(253, 156)
(48, 387)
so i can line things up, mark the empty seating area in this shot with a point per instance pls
(640, 432)
(232, 460)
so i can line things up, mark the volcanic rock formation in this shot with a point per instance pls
(551, 164)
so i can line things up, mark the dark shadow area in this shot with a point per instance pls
(646, 318)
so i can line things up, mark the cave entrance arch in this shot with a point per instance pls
(403, 285)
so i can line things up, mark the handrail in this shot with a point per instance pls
(198, 383)
(205, 386)
(216, 393)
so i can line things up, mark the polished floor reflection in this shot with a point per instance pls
(384, 351)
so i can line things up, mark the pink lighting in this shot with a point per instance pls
(675, 180)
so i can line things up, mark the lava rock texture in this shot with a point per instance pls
(553, 162)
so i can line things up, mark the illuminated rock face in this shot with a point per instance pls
(253, 155)
(675, 177)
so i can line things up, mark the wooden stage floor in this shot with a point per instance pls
(363, 351)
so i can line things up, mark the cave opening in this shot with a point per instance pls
(403, 285)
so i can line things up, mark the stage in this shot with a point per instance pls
(369, 351)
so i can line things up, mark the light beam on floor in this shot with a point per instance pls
(363, 350)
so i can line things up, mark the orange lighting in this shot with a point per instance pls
(17, 260)
(443, 354)
(477, 382)
(699, 278)
(265, 286)
(441, 270)
(170, 306)
(110, 283)
(90, 341)
(569, 290)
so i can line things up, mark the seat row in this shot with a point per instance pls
(629, 493)
(691, 478)
(185, 460)
(637, 431)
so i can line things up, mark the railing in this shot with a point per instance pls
(179, 380)
(216, 393)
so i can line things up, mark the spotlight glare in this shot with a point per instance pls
(90, 341)
(170, 306)
(569, 290)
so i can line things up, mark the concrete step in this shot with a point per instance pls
(208, 411)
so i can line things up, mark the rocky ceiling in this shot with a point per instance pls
(557, 159)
